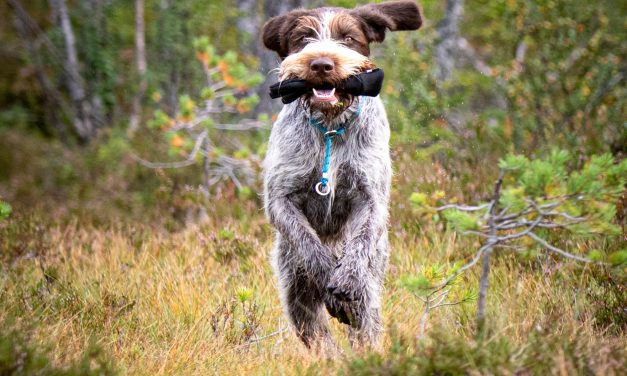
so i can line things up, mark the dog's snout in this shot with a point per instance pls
(322, 65)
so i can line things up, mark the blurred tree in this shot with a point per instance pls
(140, 58)
(269, 59)
(85, 118)
(54, 105)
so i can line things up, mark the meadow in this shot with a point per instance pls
(85, 290)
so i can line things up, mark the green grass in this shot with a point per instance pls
(109, 293)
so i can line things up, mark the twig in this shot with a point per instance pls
(522, 233)
(428, 307)
(462, 207)
(469, 265)
(557, 250)
(191, 158)
(259, 339)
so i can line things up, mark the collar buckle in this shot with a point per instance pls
(332, 133)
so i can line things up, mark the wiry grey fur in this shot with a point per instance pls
(330, 250)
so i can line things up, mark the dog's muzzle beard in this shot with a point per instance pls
(329, 102)
(326, 95)
(325, 65)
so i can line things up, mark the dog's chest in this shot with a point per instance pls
(328, 214)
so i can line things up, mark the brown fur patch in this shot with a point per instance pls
(276, 31)
(348, 30)
(306, 27)
(390, 15)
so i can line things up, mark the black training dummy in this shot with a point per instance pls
(368, 83)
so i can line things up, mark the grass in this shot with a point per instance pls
(126, 296)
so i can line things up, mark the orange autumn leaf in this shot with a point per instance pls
(228, 79)
(203, 56)
(223, 66)
(242, 107)
(168, 125)
(177, 141)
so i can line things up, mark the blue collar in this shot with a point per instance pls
(323, 188)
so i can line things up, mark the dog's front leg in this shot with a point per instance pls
(357, 281)
(357, 273)
(313, 257)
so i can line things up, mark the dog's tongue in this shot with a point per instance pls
(324, 95)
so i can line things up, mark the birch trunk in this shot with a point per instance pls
(269, 59)
(142, 66)
(448, 35)
(82, 119)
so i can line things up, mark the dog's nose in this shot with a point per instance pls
(322, 65)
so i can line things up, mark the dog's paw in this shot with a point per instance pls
(336, 309)
(346, 285)
(345, 312)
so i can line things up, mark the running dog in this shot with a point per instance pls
(327, 170)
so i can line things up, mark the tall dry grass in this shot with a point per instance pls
(203, 300)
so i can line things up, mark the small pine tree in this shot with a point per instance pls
(226, 97)
(531, 200)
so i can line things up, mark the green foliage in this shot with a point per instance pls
(535, 198)
(5, 210)
(230, 248)
(415, 284)
(589, 193)
(461, 221)
(244, 294)
(418, 199)
(618, 258)
(449, 354)
(19, 357)
(566, 87)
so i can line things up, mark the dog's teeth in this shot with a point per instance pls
(324, 93)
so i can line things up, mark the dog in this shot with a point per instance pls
(327, 171)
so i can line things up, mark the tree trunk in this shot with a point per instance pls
(485, 267)
(140, 52)
(448, 35)
(269, 59)
(483, 292)
(82, 117)
(53, 102)
(248, 25)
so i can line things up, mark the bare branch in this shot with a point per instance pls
(462, 207)
(244, 126)
(477, 233)
(565, 215)
(557, 250)
(522, 233)
(191, 158)
(278, 332)
(150, 164)
(473, 57)
(428, 307)
(469, 265)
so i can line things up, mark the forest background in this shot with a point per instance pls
(132, 236)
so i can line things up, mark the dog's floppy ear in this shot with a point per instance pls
(391, 15)
(275, 32)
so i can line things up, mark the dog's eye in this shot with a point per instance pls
(348, 39)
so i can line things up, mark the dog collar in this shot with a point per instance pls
(367, 83)
(322, 187)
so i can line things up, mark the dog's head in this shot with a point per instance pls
(325, 46)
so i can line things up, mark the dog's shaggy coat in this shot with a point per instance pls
(331, 251)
